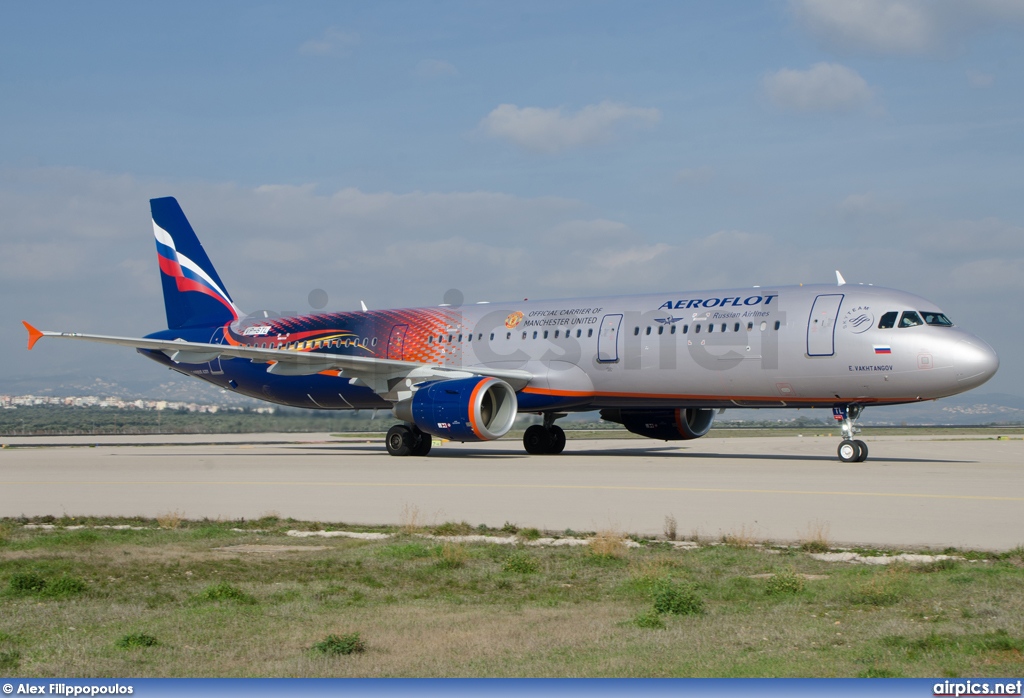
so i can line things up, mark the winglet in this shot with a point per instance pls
(34, 335)
(363, 304)
(840, 281)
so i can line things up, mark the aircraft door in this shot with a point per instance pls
(217, 338)
(608, 338)
(821, 325)
(396, 343)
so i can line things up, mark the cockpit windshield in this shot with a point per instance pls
(936, 319)
(910, 319)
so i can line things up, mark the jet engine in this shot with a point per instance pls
(462, 409)
(680, 424)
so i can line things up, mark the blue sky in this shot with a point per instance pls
(390, 151)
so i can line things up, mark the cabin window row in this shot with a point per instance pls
(736, 327)
(537, 334)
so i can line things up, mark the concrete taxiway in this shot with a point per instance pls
(966, 492)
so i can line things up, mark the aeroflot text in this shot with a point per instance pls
(977, 688)
(717, 302)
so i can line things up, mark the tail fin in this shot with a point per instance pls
(193, 293)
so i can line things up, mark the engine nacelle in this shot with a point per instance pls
(462, 409)
(680, 424)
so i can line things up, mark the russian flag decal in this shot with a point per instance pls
(882, 349)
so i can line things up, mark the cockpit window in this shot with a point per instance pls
(910, 319)
(888, 321)
(936, 319)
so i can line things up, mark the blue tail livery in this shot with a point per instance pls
(658, 364)
(194, 295)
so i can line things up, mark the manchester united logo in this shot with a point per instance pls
(513, 319)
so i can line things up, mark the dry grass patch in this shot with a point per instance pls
(816, 538)
(608, 544)
(742, 538)
(171, 520)
(410, 520)
(670, 527)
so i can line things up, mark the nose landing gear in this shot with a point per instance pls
(544, 439)
(850, 450)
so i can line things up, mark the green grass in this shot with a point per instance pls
(427, 608)
(340, 644)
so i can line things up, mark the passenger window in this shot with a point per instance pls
(535, 334)
(724, 327)
(736, 328)
(545, 334)
(590, 332)
(888, 320)
(686, 328)
(579, 333)
(508, 335)
(711, 327)
(648, 330)
(524, 335)
(469, 338)
(492, 336)
(777, 324)
(373, 342)
(750, 326)
(636, 331)
(673, 330)
(449, 339)
(696, 329)
(910, 319)
(661, 329)
(460, 337)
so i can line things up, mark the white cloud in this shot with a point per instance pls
(332, 41)
(551, 131)
(434, 68)
(823, 87)
(900, 26)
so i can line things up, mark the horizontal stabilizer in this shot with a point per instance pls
(34, 335)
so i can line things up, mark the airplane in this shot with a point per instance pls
(660, 365)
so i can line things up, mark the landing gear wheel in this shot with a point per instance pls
(557, 440)
(537, 440)
(848, 451)
(423, 443)
(399, 440)
(862, 449)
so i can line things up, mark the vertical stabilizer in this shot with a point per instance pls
(194, 295)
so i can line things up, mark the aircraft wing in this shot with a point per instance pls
(392, 379)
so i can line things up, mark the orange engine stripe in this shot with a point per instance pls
(472, 401)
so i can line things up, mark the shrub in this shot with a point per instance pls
(452, 556)
(225, 592)
(136, 640)
(521, 563)
(340, 644)
(27, 583)
(510, 528)
(529, 533)
(10, 660)
(680, 599)
(649, 619)
(450, 528)
(65, 586)
(782, 583)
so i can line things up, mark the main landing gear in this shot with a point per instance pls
(545, 439)
(407, 440)
(850, 450)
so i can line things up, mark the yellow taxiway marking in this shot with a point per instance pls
(471, 485)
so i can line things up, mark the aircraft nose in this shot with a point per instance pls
(975, 362)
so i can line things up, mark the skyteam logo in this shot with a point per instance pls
(187, 274)
(859, 319)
